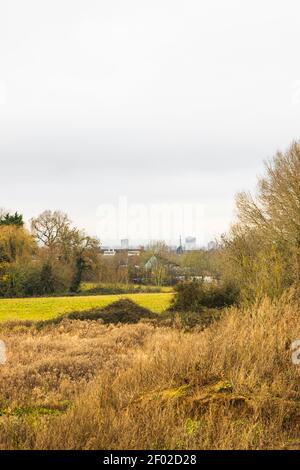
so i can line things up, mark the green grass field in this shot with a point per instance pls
(86, 286)
(50, 307)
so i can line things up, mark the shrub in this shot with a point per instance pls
(195, 296)
(121, 311)
(189, 320)
(32, 279)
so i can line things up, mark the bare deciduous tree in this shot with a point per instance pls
(52, 228)
(265, 243)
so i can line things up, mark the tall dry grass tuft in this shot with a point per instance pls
(83, 385)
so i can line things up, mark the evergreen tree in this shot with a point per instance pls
(12, 219)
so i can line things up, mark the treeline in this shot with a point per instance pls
(260, 256)
(52, 257)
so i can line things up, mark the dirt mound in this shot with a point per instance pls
(196, 400)
(121, 311)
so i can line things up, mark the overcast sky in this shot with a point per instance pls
(160, 102)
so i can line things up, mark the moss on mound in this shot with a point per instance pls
(121, 311)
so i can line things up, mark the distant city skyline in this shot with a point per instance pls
(130, 245)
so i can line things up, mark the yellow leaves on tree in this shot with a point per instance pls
(16, 243)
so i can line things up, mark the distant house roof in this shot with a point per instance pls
(154, 259)
(151, 263)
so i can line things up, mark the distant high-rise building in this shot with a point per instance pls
(179, 250)
(125, 244)
(190, 243)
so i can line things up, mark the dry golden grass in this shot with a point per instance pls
(83, 385)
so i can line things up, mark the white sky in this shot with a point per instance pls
(160, 101)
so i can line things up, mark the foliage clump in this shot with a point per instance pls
(121, 311)
(196, 296)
